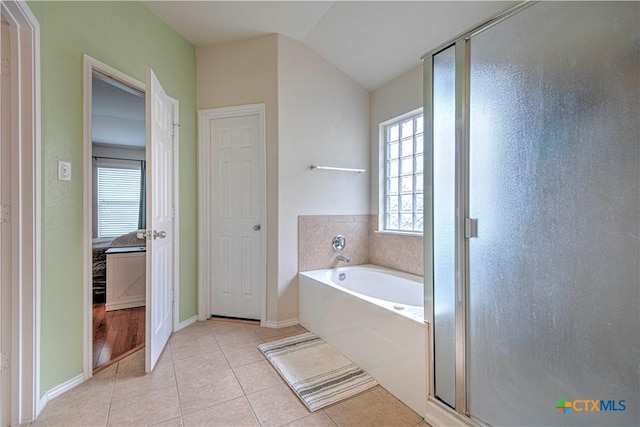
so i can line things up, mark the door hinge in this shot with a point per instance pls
(173, 295)
(5, 214)
(470, 228)
(4, 70)
(173, 213)
(173, 128)
(6, 361)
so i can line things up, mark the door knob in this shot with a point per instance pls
(143, 234)
(160, 234)
(256, 227)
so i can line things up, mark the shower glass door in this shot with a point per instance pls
(444, 149)
(552, 276)
(554, 183)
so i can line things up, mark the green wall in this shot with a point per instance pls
(128, 37)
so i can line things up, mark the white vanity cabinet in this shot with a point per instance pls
(126, 277)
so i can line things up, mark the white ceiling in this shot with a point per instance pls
(371, 41)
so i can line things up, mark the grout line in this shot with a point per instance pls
(255, 416)
(113, 392)
(331, 418)
(175, 379)
(222, 401)
(307, 415)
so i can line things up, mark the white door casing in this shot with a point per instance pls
(161, 121)
(5, 227)
(24, 182)
(233, 147)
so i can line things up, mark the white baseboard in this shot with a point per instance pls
(283, 324)
(57, 391)
(190, 321)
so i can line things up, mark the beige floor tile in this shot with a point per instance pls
(194, 347)
(236, 412)
(220, 387)
(173, 422)
(276, 406)
(317, 419)
(222, 328)
(165, 357)
(63, 413)
(218, 327)
(195, 330)
(106, 373)
(237, 338)
(422, 424)
(238, 356)
(289, 331)
(194, 383)
(132, 366)
(376, 407)
(257, 376)
(149, 408)
(96, 390)
(279, 337)
(130, 385)
(201, 369)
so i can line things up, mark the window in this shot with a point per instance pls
(403, 195)
(118, 200)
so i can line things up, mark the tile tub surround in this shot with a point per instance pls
(212, 374)
(315, 233)
(396, 251)
(364, 245)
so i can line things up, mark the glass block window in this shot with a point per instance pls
(404, 198)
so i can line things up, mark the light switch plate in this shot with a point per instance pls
(64, 171)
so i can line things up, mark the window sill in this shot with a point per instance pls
(400, 233)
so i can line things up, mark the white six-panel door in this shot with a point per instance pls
(235, 150)
(161, 117)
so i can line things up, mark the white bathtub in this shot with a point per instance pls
(374, 316)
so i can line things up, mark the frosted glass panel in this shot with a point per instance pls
(554, 182)
(444, 142)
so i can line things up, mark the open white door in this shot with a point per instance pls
(161, 121)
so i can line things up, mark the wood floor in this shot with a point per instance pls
(116, 334)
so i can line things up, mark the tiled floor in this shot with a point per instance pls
(212, 374)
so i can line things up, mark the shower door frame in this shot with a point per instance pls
(463, 226)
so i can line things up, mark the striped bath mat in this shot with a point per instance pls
(315, 371)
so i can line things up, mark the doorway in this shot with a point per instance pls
(233, 247)
(141, 266)
(118, 261)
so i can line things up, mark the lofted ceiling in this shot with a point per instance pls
(373, 42)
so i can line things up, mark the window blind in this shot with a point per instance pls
(118, 201)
